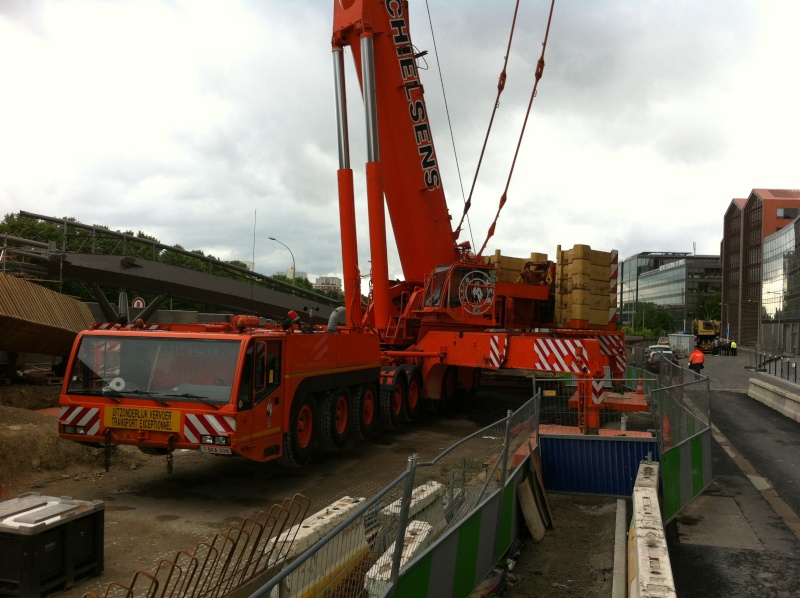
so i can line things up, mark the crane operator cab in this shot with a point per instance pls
(462, 290)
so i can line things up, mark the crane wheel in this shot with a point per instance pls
(392, 404)
(333, 415)
(448, 394)
(298, 443)
(413, 402)
(365, 410)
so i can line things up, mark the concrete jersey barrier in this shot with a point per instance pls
(782, 401)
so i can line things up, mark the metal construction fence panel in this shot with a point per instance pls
(357, 547)
(681, 410)
(682, 415)
(625, 407)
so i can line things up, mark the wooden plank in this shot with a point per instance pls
(530, 510)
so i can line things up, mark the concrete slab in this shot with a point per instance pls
(716, 521)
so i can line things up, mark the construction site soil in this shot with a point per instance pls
(151, 514)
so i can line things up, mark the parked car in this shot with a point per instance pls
(656, 349)
(653, 363)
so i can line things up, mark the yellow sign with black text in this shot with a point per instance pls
(142, 418)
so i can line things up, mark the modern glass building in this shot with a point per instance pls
(681, 287)
(780, 294)
(761, 287)
(630, 271)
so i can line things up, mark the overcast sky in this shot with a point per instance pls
(211, 124)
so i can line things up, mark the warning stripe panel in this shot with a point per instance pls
(598, 386)
(115, 326)
(497, 350)
(195, 426)
(89, 417)
(557, 354)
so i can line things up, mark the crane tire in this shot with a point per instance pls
(393, 399)
(298, 442)
(365, 410)
(413, 397)
(448, 395)
(333, 419)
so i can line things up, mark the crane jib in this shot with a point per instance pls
(416, 106)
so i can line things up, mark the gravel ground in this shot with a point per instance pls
(150, 515)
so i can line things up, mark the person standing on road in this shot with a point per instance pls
(715, 347)
(733, 348)
(696, 360)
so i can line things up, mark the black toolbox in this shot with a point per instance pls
(47, 543)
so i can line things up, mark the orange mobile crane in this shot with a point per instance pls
(453, 314)
(278, 391)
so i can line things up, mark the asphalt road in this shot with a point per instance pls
(741, 536)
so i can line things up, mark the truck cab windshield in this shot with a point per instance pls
(161, 369)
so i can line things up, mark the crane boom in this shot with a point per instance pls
(412, 182)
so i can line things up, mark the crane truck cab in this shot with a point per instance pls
(469, 288)
(262, 392)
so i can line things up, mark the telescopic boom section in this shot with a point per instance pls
(412, 180)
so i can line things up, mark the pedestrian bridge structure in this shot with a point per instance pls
(34, 319)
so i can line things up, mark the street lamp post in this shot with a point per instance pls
(290, 253)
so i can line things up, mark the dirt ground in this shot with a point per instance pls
(150, 515)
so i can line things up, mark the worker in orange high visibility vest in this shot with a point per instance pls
(696, 360)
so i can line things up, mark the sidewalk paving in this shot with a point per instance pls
(739, 537)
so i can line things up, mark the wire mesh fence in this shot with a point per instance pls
(227, 561)
(681, 411)
(356, 545)
(624, 405)
(679, 398)
(363, 554)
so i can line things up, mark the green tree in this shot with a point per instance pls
(709, 306)
(651, 321)
(30, 228)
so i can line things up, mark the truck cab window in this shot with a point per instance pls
(267, 368)
(435, 292)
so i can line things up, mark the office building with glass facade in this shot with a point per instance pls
(780, 293)
(683, 288)
(761, 281)
(630, 271)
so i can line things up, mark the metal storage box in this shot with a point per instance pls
(47, 543)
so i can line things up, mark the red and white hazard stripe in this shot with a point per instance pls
(497, 350)
(597, 391)
(115, 326)
(89, 417)
(557, 354)
(195, 426)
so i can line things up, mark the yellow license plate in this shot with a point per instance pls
(549, 393)
(142, 418)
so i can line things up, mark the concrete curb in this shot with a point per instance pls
(619, 587)
(649, 571)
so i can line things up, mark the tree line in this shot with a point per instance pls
(137, 244)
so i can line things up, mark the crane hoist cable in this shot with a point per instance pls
(501, 84)
(537, 76)
(447, 112)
